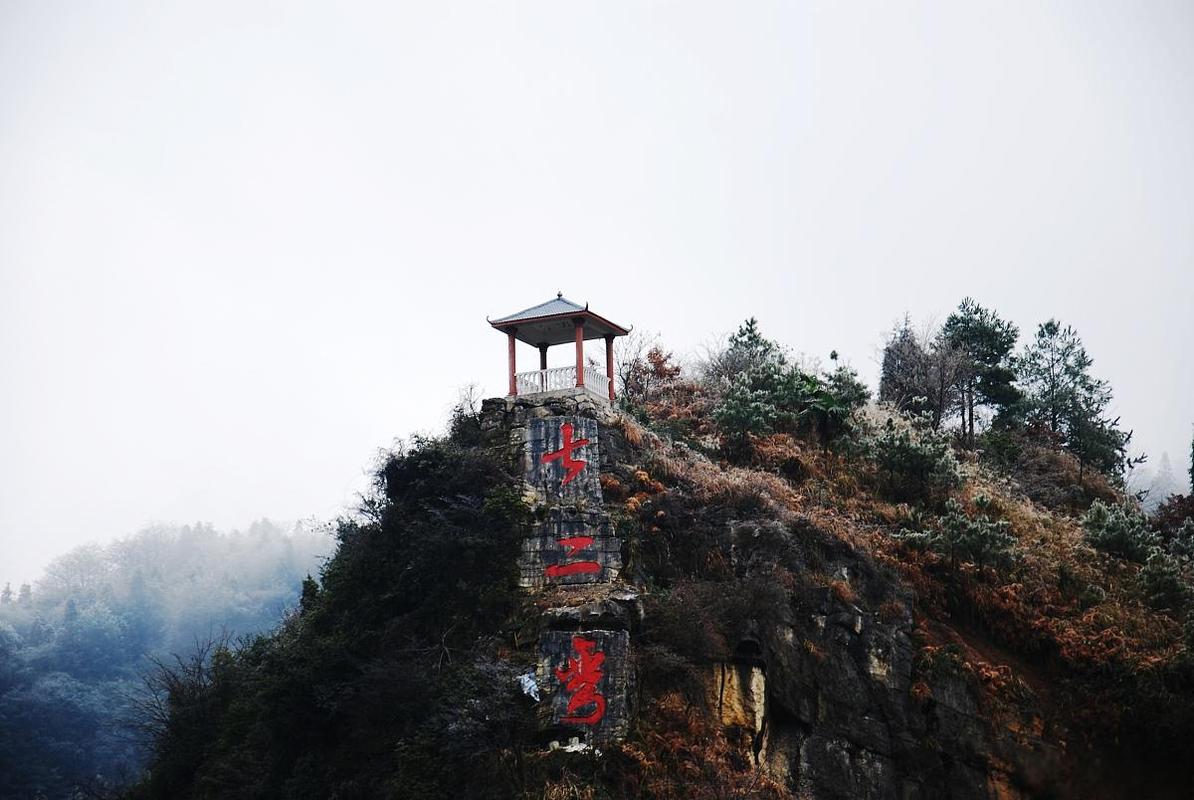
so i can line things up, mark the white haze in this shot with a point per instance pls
(242, 245)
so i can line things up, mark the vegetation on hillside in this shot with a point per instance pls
(984, 494)
(1014, 524)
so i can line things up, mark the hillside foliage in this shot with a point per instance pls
(985, 508)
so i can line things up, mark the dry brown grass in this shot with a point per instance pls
(843, 591)
(891, 610)
(684, 753)
(1062, 605)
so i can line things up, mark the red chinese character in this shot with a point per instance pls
(580, 681)
(572, 465)
(572, 546)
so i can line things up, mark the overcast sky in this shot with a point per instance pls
(244, 245)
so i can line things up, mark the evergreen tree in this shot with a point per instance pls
(1162, 582)
(844, 384)
(987, 341)
(6, 594)
(1054, 372)
(1063, 399)
(1119, 529)
(982, 540)
(762, 392)
(1096, 440)
(904, 360)
(747, 351)
(25, 595)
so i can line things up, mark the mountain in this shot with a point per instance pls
(563, 600)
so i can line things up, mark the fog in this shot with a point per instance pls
(75, 646)
(243, 246)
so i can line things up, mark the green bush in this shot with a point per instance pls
(762, 392)
(744, 411)
(1162, 582)
(1183, 541)
(915, 467)
(1120, 530)
(981, 540)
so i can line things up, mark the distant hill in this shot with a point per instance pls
(74, 646)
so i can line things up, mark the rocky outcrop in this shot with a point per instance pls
(835, 700)
(571, 560)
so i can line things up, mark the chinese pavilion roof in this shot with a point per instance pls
(557, 305)
(551, 323)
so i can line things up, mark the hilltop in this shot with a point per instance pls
(808, 594)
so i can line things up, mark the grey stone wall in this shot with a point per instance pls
(563, 473)
(584, 672)
(556, 552)
(585, 677)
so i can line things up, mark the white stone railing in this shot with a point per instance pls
(560, 378)
(596, 382)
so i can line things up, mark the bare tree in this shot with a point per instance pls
(177, 692)
(922, 372)
(643, 368)
(630, 355)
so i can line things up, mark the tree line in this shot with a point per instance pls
(969, 368)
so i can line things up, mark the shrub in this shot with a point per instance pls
(1183, 541)
(1048, 475)
(982, 540)
(762, 392)
(744, 411)
(843, 384)
(1120, 530)
(1162, 582)
(915, 466)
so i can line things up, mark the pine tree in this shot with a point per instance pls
(1096, 440)
(1054, 372)
(6, 594)
(987, 341)
(982, 540)
(1066, 401)
(903, 364)
(25, 595)
(747, 350)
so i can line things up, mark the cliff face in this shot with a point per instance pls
(805, 657)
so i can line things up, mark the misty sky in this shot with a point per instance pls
(243, 245)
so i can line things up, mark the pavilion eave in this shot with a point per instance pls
(555, 329)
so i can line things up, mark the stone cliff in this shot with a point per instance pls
(824, 684)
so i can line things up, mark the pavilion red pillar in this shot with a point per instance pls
(609, 364)
(513, 368)
(580, 350)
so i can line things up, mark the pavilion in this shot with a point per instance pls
(558, 321)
